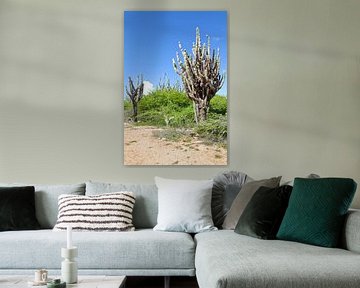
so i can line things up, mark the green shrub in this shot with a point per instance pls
(172, 108)
(161, 98)
(213, 129)
(153, 118)
(218, 105)
(164, 107)
(127, 104)
(183, 118)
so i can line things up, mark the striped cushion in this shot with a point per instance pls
(105, 212)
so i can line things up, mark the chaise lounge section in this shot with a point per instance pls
(225, 259)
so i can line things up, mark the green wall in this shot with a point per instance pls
(294, 92)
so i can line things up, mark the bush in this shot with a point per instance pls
(213, 129)
(161, 98)
(127, 105)
(173, 109)
(164, 107)
(218, 105)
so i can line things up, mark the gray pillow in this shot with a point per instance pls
(243, 198)
(310, 176)
(226, 187)
(146, 206)
(184, 205)
(46, 200)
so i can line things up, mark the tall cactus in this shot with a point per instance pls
(200, 74)
(135, 93)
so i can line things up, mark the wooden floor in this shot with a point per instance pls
(158, 282)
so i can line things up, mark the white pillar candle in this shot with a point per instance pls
(69, 237)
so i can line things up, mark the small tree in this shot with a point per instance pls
(200, 74)
(135, 93)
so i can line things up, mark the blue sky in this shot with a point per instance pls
(151, 41)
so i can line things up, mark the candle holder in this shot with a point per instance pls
(69, 271)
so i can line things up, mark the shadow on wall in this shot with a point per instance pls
(39, 143)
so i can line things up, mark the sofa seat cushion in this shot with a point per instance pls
(226, 259)
(142, 249)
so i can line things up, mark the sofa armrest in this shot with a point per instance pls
(351, 233)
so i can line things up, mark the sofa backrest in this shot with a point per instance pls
(146, 203)
(46, 200)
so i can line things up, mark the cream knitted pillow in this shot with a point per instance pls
(105, 212)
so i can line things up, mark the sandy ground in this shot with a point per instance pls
(142, 147)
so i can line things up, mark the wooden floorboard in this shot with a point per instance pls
(158, 282)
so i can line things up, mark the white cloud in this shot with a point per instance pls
(148, 87)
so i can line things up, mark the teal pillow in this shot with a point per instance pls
(316, 211)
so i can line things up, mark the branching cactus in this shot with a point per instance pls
(135, 93)
(200, 74)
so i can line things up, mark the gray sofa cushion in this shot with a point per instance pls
(351, 236)
(146, 204)
(226, 259)
(225, 189)
(143, 249)
(46, 200)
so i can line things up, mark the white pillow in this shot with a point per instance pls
(184, 205)
(104, 212)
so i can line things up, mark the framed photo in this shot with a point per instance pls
(175, 88)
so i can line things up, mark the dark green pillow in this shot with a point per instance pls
(264, 212)
(316, 211)
(17, 208)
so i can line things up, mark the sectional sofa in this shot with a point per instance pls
(221, 259)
